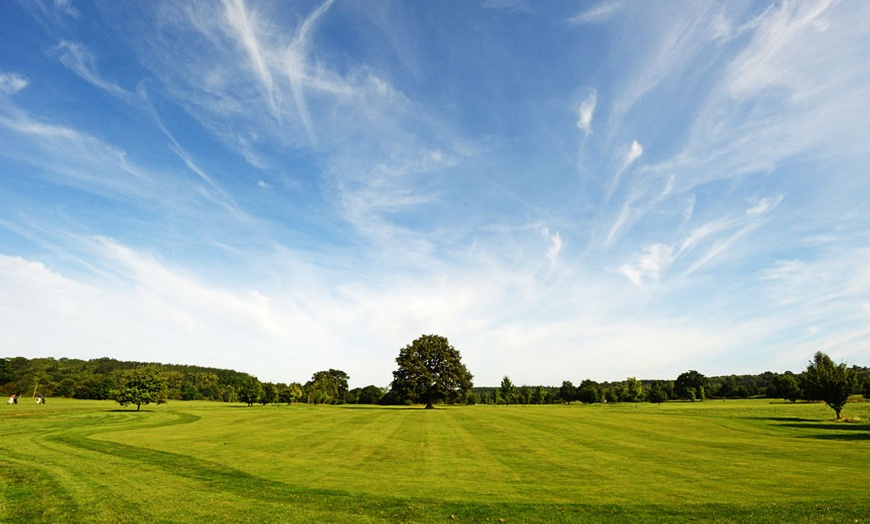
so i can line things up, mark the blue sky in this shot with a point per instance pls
(565, 190)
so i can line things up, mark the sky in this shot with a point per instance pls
(565, 190)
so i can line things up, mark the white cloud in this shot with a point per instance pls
(789, 92)
(245, 28)
(720, 249)
(622, 220)
(648, 265)
(511, 6)
(635, 151)
(78, 159)
(665, 45)
(585, 112)
(66, 7)
(597, 14)
(779, 32)
(702, 232)
(556, 246)
(11, 83)
(763, 205)
(77, 58)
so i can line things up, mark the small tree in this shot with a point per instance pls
(430, 369)
(507, 390)
(141, 386)
(657, 393)
(268, 394)
(786, 386)
(634, 390)
(567, 392)
(524, 395)
(829, 382)
(589, 391)
(539, 395)
(249, 390)
(370, 394)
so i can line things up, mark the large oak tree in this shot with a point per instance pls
(430, 370)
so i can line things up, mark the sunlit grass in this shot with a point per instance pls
(733, 461)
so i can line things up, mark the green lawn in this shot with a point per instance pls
(734, 461)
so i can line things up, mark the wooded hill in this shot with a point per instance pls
(97, 378)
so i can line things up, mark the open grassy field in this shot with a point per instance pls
(734, 461)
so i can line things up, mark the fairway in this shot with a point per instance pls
(733, 461)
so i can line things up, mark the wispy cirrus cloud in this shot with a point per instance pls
(11, 83)
(586, 110)
(78, 158)
(377, 157)
(769, 107)
(556, 245)
(631, 156)
(649, 265)
(702, 246)
(77, 58)
(763, 205)
(597, 14)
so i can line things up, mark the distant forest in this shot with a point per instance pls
(97, 379)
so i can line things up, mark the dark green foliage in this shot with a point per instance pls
(656, 393)
(140, 386)
(829, 382)
(291, 393)
(188, 392)
(690, 385)
(95, 387)
(567, 392)
(327, 387)
(95, 379)
(507, 390)
(633, 391)
(368, 395)
(249, 390)
(268, 394)
(524, 395)
(430, 370)
(589, 392)
(785, 386)
(611, 394)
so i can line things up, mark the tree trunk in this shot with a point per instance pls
(138, 406)
(429, 405)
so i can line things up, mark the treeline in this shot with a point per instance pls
(690, 385)
(98, 379)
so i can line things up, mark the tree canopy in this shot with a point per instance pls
(690, 385)
(250, 390)
(507, 390)
(327, 387)
(430, 370)
(141, 386)
(829, 382)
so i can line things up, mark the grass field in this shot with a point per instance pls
(734, 461)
